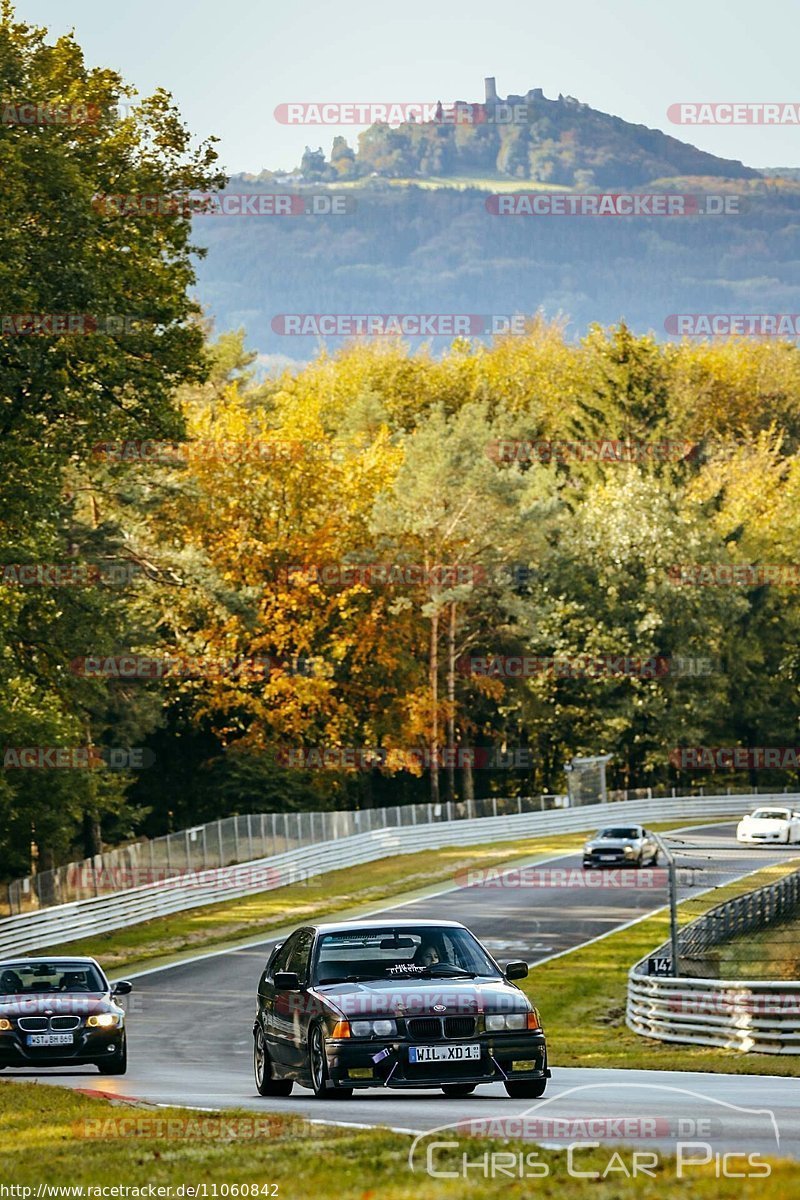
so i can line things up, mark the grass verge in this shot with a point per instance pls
(772, 953)
(43, 1141)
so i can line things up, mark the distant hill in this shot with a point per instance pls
(410, 249)
(415, 230)
(531, 137)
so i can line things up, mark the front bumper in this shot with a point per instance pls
(609, 858)
(755, 839)
(351, 1062)
(88, 1046)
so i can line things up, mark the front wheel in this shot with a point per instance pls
(525, 1089)
(116, 1063)
(321, 1086)
(458, 1089)
(265, 1084)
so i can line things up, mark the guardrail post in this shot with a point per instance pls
(219, 842)
(673, 904)
(250, 835)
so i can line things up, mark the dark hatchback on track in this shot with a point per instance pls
(58, 1012)
(397, 1004)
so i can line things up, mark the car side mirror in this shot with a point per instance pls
(122, 987)
(286, 981)
(516, 969)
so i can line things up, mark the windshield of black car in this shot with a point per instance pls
(45, 978)
(770, 814)
(386, 954)
(620, 833)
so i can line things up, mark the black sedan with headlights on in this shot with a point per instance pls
(57, 1012)
(394, 1004)
(621, 846)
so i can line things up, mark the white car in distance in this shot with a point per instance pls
(769, 825)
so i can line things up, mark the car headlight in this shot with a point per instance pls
(103, 1021)
(4, 1024)
(629, 849)
(365, 1029)
(495, 1022)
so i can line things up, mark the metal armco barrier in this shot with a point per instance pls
(747, 1015)
(762, 1016)
(743, 914)
(252, 836)
(64, 923)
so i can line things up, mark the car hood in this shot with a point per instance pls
(77, 1005)
(424, 997)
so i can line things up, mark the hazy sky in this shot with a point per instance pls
(229, 64)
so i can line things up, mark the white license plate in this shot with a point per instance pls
(423, 1054)
(50, 1039)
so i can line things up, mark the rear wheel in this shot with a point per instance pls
(525, 1089)
(262, 1068)
(116, 1063)
(321, 1085)
(458, 1089)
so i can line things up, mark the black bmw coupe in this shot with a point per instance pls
(397, 1004)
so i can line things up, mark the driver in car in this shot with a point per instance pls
(426, 955)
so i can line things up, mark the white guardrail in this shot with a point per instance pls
(762, 1016)
(745, 1015)
(53, 927)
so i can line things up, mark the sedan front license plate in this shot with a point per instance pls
(424, 1054)
(50, 1039)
